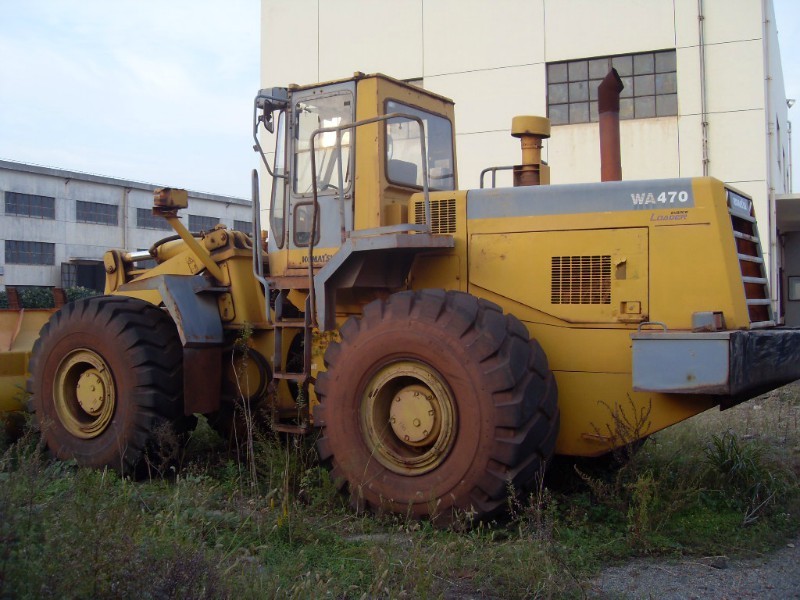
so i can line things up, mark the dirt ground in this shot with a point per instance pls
(771, 576)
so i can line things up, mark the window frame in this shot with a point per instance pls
(205, 220)
(280, 184)
(248, 226)
(296, 209)
(46, 210)
(15, 250)
(299, 154)
(402, 105)
(793, 288)
(145, 219)
(108, 218)
(650, 78)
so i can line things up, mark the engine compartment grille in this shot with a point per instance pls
(443, 215)
(580, 279)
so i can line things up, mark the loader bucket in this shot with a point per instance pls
(19, 329)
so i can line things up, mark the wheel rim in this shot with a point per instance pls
(84, 394)
(408, 417)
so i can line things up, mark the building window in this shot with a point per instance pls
(200, 223)
(650, 79)
(146, 264)
(30, 253)
(95, 212)
(243, 226)
(86, 274)
(145, 219)
(794, 288)
(30, 205)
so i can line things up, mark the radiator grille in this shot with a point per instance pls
(751, 261)
(581, 280)
(443, 215)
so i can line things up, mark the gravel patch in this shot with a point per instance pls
(774, 576)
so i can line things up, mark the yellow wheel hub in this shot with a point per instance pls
(91, 392)
(84, 393)
(413, 416)
(408, 417)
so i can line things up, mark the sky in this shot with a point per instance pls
(154, 91)
(161, 91)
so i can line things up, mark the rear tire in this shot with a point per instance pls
(435, 403)
(106, 381)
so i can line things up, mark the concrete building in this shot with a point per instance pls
(704, 90)
(57, 224)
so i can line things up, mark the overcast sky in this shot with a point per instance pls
(153, 91)
(161, 91)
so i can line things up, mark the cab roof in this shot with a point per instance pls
(358, 75)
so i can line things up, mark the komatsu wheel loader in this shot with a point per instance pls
(443, 343)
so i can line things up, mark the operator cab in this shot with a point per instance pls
(331, 178)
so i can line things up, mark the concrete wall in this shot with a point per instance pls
(78, 240)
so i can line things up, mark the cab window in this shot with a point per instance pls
(278, 202)
(403, 155)
(318, 113)
(304, 225)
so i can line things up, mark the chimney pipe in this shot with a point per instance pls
(531, 131)
(608, 111)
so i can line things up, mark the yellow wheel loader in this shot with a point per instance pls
(443, 343)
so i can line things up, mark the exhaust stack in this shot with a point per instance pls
(531, 131)
(608, 112)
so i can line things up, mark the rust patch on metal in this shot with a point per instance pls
(202, 379)
(608, 115)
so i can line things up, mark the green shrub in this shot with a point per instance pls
(744, 475)
(78, 292)
(43, 297)
(36, 298)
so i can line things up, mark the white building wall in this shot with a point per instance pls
(491, 57)
(78, 240)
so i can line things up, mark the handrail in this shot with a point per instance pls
(494, 171)
(338, 129)
(258, 262)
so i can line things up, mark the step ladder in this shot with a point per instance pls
(281, 372)
(753, 269)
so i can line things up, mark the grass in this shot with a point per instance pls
(721, 483)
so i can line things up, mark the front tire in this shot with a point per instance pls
(106, 380)
(435, 403)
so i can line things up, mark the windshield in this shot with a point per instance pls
(403, 153)
(278, 203)
(318, 113)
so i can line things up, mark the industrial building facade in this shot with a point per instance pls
(56, 225)
(703, 90)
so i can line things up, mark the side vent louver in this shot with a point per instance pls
(443, 215)
(581, 280)
(751, 261)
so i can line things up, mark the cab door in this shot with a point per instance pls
(314, 109)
